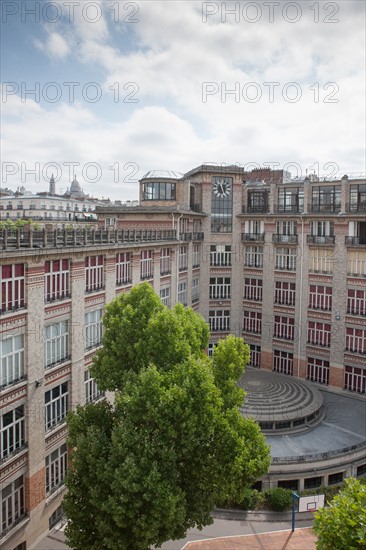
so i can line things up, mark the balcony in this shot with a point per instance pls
(198, 236)
(288, 239)
(325, 208)
(315, 239)
(355, 241)
(253, 237)
(20, 239)
(255, 209)
(185, 237)
(288, 209)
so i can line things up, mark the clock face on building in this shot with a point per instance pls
(222, 188)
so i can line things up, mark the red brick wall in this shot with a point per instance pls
(35, 489)
(336, 377)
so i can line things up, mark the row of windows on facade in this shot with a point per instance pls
(317, 370)
(324, 198)
(13, 422)
(58, 335)
(57, 274)
(13, 494)
(318, 333)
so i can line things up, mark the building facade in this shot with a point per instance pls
(281, 263)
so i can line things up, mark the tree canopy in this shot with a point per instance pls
(173, 445)
(342, 526)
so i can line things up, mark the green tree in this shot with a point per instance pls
(342, 526)
(173, 445)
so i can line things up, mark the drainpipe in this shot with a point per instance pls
(301, 291)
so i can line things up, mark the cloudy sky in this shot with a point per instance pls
(110, 89)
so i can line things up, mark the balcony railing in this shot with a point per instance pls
(289, 239)
(185, 236)
(256, 237)
(288, 209)
(198, 236)
(20, 239)
(355, 241)
(315, 239)
(255, 209)
(195, 207)
(325, 208)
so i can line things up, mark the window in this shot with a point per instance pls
(252, 321)
(253, 289)
(12, 427)
(357, 263)
(317, 370)
(361, 470)
(183, 258)
(93, 328)
(12, 504)
(321, 230)
(220, 255)
(356, 302)
(12, 286)
(319, 333)
(326, 198)
(92, 392)
(12, 359)
(285, 293)
(357, 194)
(57, 280)
(320, 297)
(321, 260)
(356, 340)
(195, 290)
(57, 516)
(56, 468)
(333, 479)
(355, 379)
(255, 355)
(219, 320)
(56, 405)
(165, 267)
(290, 200)
(196, 255)
(283, 362)
(159, 191)
(292, 484)
(56, 343)
(182, 293)
(165, 296)
(221, 204)
(146, 264)
(284, 327)
(210, 349)
(285, 230)
(253, 256)
(94, 273)
(286, 258)
(312, 482)
(123, 268)
(258, 201)
(220, 288)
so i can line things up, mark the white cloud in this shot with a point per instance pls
(170, 54)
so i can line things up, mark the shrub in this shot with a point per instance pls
(279, 499)
(249, 500)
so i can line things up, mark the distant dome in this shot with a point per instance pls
(75, 189)
(164, 174)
